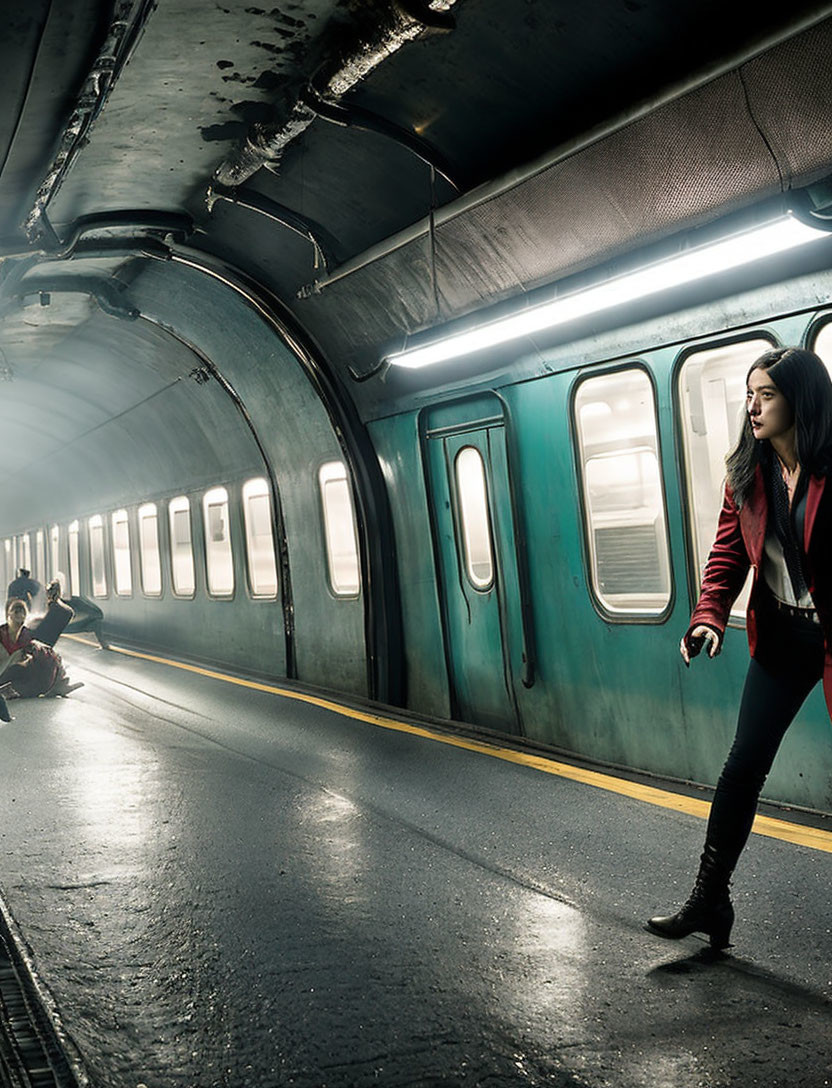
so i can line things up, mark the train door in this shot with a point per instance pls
(480, 558)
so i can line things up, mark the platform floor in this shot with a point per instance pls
(223, 886)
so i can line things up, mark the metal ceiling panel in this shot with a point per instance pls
(685, 163)
(200, 75)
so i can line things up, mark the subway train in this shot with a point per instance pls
(304, 380)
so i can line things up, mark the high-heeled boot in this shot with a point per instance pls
(708, 908)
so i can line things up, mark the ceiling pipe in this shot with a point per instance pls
(129, 18)
(354, 57)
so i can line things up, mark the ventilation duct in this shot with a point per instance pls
(351, 58)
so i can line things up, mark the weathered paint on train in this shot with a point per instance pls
(613, 691)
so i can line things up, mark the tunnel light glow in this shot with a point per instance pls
(740, 249)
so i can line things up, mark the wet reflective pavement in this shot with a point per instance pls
(220, 886)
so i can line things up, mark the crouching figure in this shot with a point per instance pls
(28, 668)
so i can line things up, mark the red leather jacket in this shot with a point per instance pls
(740, 538)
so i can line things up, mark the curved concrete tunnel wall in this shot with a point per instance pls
(107, 415)
(145, 430)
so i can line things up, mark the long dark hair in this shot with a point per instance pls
(804, 381)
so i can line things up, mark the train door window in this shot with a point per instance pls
(121, 553)
(712, 398)
(40, 555)
(95, 525)
(257, 514)
(55, 552)
(149, 557)
(181, 546)
(72, 535)
(8, 554)
(339, 529)
(219, 559)
(473, 516)
(615, 420)
(822, 345)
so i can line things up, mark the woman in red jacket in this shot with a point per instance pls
(776, 518)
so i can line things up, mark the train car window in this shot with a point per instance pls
(712, 398)
(181, 546)
(95, 525)
(615, 420)
(219, 559)
(72, 535)
(40, 555)
(150, 559)
(257, 514)
(24, 551)
(8, 555)
(339, 529)
(472, 494)
(822, 345)
(55, 552)
(122, 566)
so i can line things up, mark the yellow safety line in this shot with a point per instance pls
(799, 834)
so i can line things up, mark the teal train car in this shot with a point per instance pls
(597, 486)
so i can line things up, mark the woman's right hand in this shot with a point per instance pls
(694, 640)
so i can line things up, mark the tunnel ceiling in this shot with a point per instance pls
(287, 140)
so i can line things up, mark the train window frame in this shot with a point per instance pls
(73, 542)
(620, 615)
(464, 525)
(24, 551)
(97, 555)
(121, 553)
(256, 587)
(693, 557)
(181, 504)
(224, 554)
(150, 557)
(335, 471)
(813, 331)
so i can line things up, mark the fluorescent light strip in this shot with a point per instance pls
(740, 249)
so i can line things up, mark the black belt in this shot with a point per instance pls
(808, 615)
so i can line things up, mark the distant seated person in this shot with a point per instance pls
(49, 627)
(24, 588)
(28, 667)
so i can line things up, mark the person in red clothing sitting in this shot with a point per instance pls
(27, 667)
(15, 636)
(777, 518)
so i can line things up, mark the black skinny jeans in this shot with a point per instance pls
(787, 663)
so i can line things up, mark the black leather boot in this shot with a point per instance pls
(708, 909)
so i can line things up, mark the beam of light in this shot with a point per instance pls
(695, 264)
